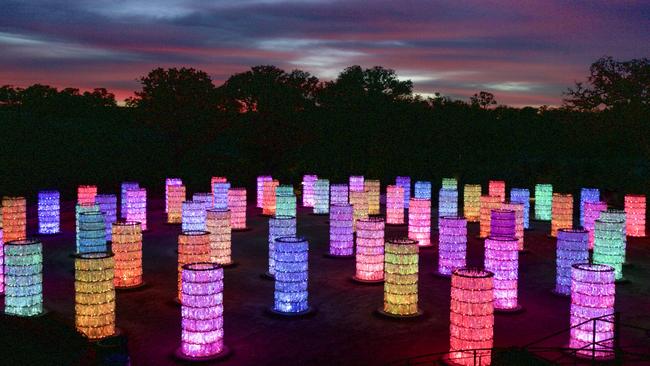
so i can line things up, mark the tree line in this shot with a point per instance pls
(366, 121)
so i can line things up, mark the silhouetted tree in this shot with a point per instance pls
(483, 100)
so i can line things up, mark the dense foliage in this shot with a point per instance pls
(367, 121)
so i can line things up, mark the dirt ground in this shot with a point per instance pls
(344, 331)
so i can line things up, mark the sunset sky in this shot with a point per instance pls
(525, 53)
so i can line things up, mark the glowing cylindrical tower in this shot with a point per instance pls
(609, 243)
(94, 294)
(193, 214)
(502, 259)
(394, 205)
(373, 187)
(472, 202)
(260, 189)
(127, 246)
(572, 248)
(14, 218)
(587, 195)
(321, 197)
(420, 221)
(497, 188)
(136, 206)
(522, 196)
(592, 213)
(471, 318)
(23, 266)
(422, 189)
(123, 200)
(308, 189)
(518, 209)
(359, 202)
(405, 183)
(447, 202)
(341, 230)
(401, 278)
(218, 225)
(488, 203)
(193, 247)
(79, 209)
(561, 212)
(452, 244)
(168, 183)
(108, 207)
(237, 204)
(592, 296)
(291, 274)
(370, 250)
(285, 201)
(175, 198)
(450, 183)
(86, 195)
(635, 206)
(502, 223)
(206, 198)
(220, 195)
(279, 226)
(92, 233)
(339, 194)
(356, 183)
(49, 212)
(202, 330)
(543, 201)
(268, 207)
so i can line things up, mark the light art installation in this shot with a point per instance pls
(220, 195)
(92, 232)
(359, 202)
(543, 201)
(123, 200)
(237, 204)
(127, 246)
(260, 189)
(308, 189)
(79, 209)
(339, 194)
(176, 197)
(502, 259)
(420, 221)
(592, 213)
(561, 212)
(471, 317)
(214, 194)
(502, 223)
(452, 244)
(472, 202)
(394, 205)
(341, 230)
(136, 206)
(14, 218)
(518, 209)
(587, 195)
(356, 183)
(447, 202)
(373, 187)
(405, 183)
(193, 214)
(401, 257)
(23, 277)
(279, 226)
(285, 201)
(291, 274)
(205, 197)
(268, 207)
(2, 263)
(488, 203)
(522, 196)
(218, 225)
(49, 212)
(168, 183)
(370, 250)
(107, 204)
(86, 194)
(193, 247)
(202, 330)
(321, 197)
(635, 206)
(94, 294)
(609, 243)
(497, 188)
(572, 248)
(422, 189)
(592, 296)
(450, 183)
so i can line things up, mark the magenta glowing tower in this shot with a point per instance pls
(502, 259)
(308, 189)
(339, 194)
(341, 230)
(502, 223)
(405, 183)
(420, 221)
(592, 296)
(370, 250)
(452, 244)
(587, 195)
(572, 248)
(202, 312)
(357, 183)
(237, 205)
(394, 205)
(260, 188)
(592, 212)
(136, 206)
